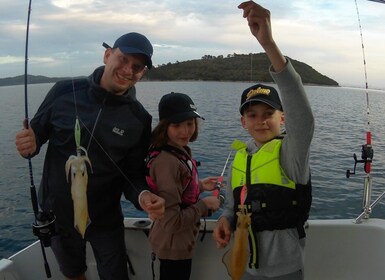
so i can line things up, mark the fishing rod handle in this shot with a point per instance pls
(218, 185)
(216, 191)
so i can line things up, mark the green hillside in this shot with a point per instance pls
(236, 67)
(19, 80)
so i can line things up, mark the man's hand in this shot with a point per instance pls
(25, 141)
(154, 205)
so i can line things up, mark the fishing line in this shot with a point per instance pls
(77, 117)
(368, 133)
(77, 129)
(92, 137)
(91, 132)
(106, 153)
(367, 150)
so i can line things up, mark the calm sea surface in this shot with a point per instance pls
(341, 120)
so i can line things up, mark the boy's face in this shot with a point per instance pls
(262, 122)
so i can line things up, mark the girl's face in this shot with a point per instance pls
(121, 70)
(179, 134)
(262, 122)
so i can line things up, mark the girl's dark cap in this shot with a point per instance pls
(177, 107)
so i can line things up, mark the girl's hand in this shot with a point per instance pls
(208, 184)
(212, 203)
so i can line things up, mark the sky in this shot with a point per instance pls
(66, 36)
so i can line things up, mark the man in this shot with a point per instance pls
(114, 131)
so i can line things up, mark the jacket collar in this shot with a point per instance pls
(105, 96)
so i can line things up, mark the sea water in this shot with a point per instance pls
(340, 128)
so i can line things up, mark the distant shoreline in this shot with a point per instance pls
(54, 80)
(231, 68)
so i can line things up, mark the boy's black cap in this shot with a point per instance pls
(260, 93)
(132, 43)
(177, 107)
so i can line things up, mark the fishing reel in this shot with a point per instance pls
(44, 227)
(366, 158)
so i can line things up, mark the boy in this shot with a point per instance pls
(271, 176)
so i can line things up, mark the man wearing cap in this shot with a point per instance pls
(270, 175)
(115, 131)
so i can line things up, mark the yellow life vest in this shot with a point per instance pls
(275, 201)
(265, 167)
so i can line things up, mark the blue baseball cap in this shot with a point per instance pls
(132, 43)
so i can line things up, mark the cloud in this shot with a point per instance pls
(66, 35)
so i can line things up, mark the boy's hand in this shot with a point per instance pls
(222, 233)
(259, 22)
(258, 19)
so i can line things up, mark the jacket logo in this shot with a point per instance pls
(118, 131)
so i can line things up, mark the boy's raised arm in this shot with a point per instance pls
(260, 26)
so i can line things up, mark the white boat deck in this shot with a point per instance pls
(335, 249)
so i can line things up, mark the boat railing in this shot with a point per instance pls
(367, 205)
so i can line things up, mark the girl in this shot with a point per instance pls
(173, 175)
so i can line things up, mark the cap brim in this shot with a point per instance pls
(185, 116)
(268, 102)
(130, 50)
(107, 46)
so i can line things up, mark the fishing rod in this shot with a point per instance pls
(216, 192)
(43, 227)
(235, 145)
(378, 1)
(367, 150)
